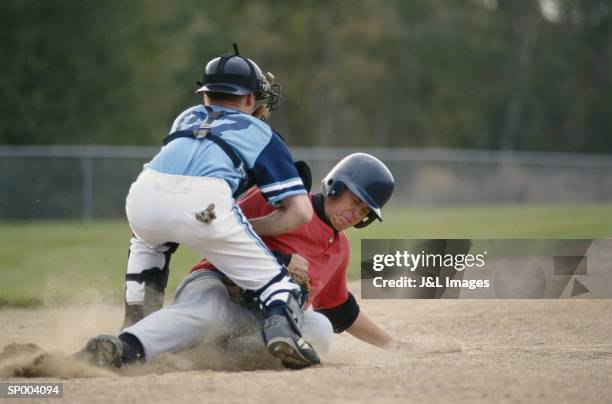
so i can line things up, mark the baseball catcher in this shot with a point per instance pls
(186, 195)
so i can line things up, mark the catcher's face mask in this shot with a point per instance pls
(270, 91)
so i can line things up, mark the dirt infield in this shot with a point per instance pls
(465, 351)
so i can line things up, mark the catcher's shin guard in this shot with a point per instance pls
(283, 336)
(133, 314)
(146, 279)
(153, 301)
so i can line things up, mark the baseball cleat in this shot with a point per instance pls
(284, 344)
(103, 350)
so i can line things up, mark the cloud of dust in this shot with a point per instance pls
(64, 330)
(29, 360)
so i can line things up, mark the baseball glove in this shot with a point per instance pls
(298, 270)
(301, 278)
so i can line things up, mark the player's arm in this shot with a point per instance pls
(266, 220)
(367, 330)
(349, 317)
(293, 212)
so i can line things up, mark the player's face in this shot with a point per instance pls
(345, 210)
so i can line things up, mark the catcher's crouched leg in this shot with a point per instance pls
(154, 287)
(282, 332)
(146, 280)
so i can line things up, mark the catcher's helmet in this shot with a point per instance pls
(234, 74)
(365, 176)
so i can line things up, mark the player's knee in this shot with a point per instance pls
(317, 330)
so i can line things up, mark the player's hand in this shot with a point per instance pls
(298, 269)
(298, 264)
(399, 345)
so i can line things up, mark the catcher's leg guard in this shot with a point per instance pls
(146, 280)
(155, 281)
(133, 314)
(283, 336)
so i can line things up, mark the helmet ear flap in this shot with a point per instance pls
(334, 188)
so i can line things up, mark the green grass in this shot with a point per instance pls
(47, 262)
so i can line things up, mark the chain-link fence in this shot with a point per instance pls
(92, 181)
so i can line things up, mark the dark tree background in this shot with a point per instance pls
(505, 74)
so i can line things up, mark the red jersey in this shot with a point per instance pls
(326, 251)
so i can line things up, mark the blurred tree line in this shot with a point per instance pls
(505, 74)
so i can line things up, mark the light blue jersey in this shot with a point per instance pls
(260, 148)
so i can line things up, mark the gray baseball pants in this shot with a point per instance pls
(202, 311)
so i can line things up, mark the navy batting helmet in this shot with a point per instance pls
(237, 75)
(365, 176)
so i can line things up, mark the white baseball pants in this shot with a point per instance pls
(161, 208)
